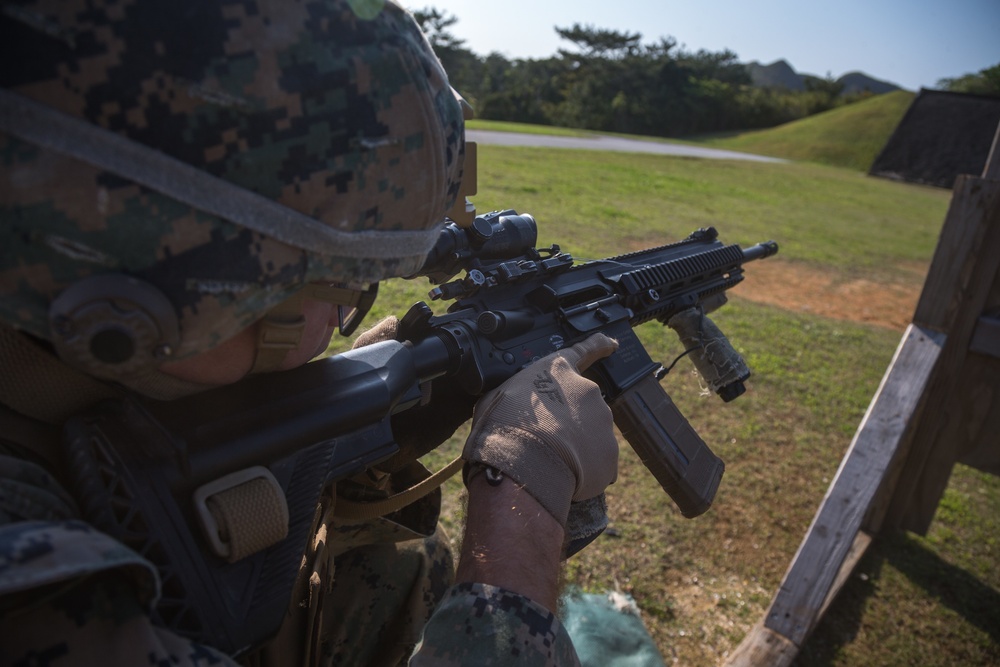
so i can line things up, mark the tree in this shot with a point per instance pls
(610, 81)
(464, 67)
(984, 82)
(600, 43)
(822, 94)
(523, 91)
(435, 24)
(723, 65)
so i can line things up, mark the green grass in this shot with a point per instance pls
(850, 136)
(703, 583)
(946, 582)
(833, 217)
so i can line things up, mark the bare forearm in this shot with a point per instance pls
(511, 542)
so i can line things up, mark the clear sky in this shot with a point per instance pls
(912, 43)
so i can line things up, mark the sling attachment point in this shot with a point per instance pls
(242, 513)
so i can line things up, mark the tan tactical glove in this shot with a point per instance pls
(383, 330)
(548, 429)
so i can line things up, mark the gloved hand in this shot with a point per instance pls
(383, 330)
(424, 427)
(548, 429)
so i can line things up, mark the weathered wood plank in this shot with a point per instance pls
(810, 577)
(986, 455)
(945, 432)
(858, 548)
(986, 337)
(968, 421)
(991, 169)
(763, 646)
(985, 423)
(945, 301)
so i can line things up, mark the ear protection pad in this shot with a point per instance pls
(113, 326)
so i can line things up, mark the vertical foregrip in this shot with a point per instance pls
(668, 445)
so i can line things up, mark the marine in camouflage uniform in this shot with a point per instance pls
(332, 147)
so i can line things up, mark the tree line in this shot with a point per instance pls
(984, 82)
(609, 80)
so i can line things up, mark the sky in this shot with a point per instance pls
(912, 43)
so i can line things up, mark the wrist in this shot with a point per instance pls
(511, 541)
(531, 463)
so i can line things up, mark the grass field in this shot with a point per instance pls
(850, 136)
(703, 583)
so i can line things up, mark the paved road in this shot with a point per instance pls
(602, 143)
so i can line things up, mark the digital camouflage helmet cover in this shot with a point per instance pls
(180, 168)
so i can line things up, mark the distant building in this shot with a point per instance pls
(942, 135)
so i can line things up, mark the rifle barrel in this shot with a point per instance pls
(760, 251)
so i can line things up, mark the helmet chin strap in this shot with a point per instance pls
(280, 331)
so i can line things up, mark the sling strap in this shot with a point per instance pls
(363, 511)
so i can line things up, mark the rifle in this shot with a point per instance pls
(144, 469)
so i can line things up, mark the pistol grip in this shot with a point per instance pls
(668, 446)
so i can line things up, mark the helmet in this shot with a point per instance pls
(172, 171)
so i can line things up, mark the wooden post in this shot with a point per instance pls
(939, 402)
(991, 171)
(962, 288)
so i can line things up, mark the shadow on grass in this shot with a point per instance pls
(950, 586)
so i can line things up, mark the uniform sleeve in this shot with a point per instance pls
(478, 624)
(71, 595)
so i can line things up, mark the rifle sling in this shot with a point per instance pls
(355, 511)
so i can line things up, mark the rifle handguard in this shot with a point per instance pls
(668, 446)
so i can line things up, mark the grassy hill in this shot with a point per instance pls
(849, 136)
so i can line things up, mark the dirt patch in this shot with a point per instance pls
(796, 288)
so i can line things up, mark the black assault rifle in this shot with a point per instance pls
(145, 469)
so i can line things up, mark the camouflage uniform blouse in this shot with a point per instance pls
(72, 595)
